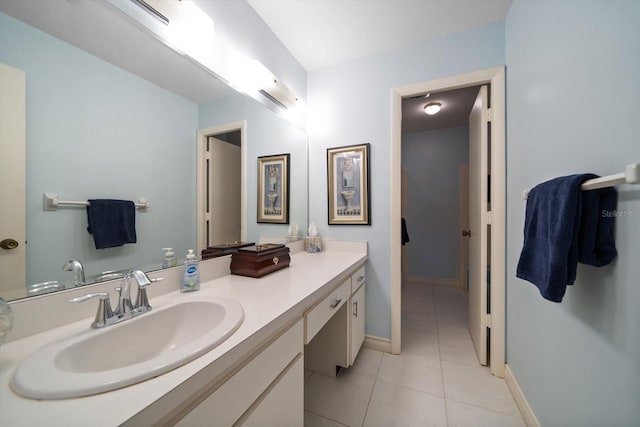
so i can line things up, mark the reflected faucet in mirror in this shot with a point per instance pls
(78, 271)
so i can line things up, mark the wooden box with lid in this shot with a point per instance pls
(260, 260)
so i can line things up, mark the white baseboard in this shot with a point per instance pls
(434, 281)
(521, 401)
(377, 343)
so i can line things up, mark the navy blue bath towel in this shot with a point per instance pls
(112, 222)
(596, 243)
(562, 226)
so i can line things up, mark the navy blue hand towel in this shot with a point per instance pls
(549, 256)
(112, 222)
(596, 243)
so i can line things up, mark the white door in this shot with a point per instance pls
(224, 192)
(403, 212)
(463, 188)
(478, 221)
(13, 253)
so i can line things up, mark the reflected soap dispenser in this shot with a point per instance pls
(169, 259)
(191, 275)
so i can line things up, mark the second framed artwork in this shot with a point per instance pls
(348, 182)
(273, 189)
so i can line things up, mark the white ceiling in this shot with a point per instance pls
(321, 33)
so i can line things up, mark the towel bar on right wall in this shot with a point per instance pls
(630, 176)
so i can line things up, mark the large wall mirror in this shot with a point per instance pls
(123, 124)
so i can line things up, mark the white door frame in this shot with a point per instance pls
(496, 78)
(201, 141)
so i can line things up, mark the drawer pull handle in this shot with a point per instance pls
(360, 278)
(276, 260)
(336, 302)
(355, 308)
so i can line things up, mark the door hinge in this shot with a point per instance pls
(489, 114)
(487, 216)
(487, 320)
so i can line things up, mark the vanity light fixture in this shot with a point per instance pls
(251, 76)
(432, 108)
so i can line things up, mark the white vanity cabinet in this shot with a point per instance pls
(268, 387)
(335, 328)
(356, 314)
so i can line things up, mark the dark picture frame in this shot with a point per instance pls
(348, 179)
(273, 189)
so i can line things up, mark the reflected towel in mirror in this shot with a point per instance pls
(112, 222)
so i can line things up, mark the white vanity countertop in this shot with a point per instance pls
(269, 303)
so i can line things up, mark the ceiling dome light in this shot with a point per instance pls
(432, 108)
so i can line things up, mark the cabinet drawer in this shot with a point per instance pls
(227, 404)
(316, 318)
(357, 279)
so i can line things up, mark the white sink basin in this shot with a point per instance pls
(144, 347)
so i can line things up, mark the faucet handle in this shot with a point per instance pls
(104, 313)
(142, 300)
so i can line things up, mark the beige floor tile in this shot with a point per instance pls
(396, 406)
(420, 343)
(421, 291)
(418, 305)
(420, 373)
(367, 363)
(315, 420)
(424, 321)
(456, 345)
(476, 386)
(463, 415)
(343, 399)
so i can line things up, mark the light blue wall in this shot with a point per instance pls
(351, 104)
(431, 160)
(573, 89)
(96, 131)
(266, 135)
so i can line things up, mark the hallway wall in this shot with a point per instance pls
(431, 159)
(577, 361)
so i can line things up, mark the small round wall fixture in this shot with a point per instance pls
(432, 108)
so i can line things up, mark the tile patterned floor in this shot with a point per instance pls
(436, 381)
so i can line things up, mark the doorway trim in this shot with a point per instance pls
(201, 141)
(496, 78)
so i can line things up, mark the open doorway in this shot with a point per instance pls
(220, 185)
(435, 161)
(495, 163)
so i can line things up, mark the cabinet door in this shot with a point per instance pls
(283, 405)
(357, 323)
(231, 400)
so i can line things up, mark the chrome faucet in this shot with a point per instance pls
(78, 271)
(125, 309)
(124, 299)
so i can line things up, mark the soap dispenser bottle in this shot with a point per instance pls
(169, 259)
(191, 276)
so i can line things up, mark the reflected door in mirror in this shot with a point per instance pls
(12, 182)
(224, 192)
